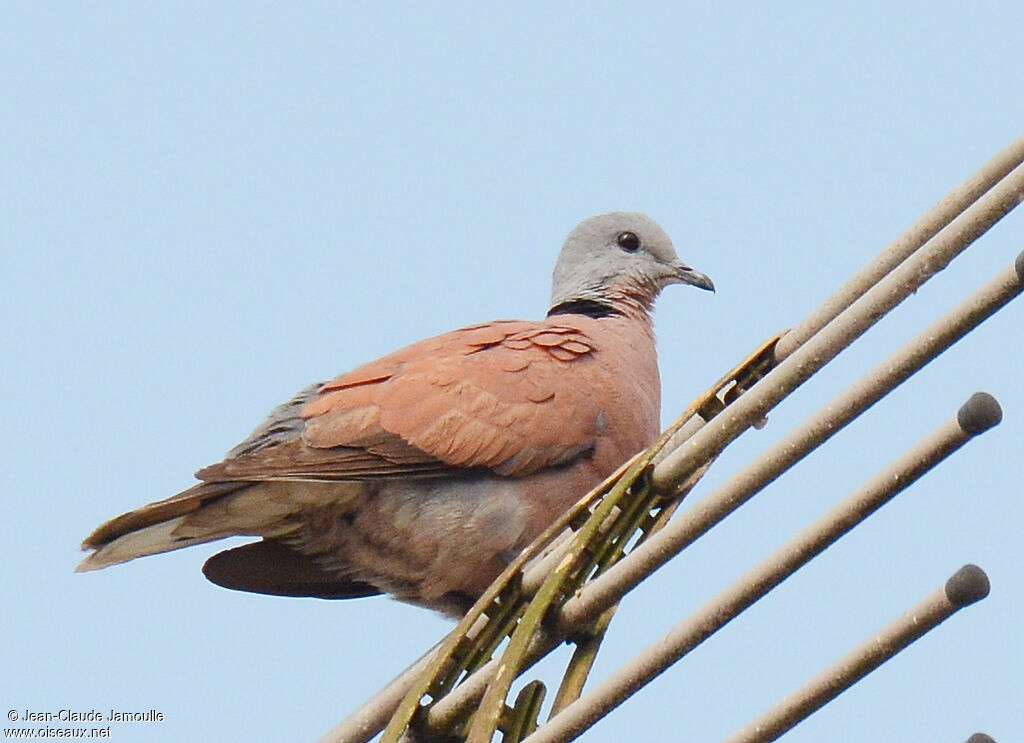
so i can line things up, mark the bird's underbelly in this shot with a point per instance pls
(438, 543)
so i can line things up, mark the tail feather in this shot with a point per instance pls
(154, 528)
(150, 540)
(210, 511)
(183, 503)
(273, 567)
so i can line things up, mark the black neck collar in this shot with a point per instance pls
(588, 307)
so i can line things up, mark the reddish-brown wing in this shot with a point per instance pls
(506, 396)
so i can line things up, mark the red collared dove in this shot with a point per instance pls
(422, 474)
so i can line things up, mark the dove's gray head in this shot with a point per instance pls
(616, 259)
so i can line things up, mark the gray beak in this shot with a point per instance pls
(687, 275)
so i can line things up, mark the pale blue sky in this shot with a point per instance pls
(203, 207)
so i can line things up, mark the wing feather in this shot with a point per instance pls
(499, 396)
(518, 396)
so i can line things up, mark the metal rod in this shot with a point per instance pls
(966, 586)
(373, 714)
(449, 710)
(978, 414)
(905, 245)
(370, 717)
(692, 523)
(911, 240)
(850, 325)
(596, 596)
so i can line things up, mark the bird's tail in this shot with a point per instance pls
(203, 513)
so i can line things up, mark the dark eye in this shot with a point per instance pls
(628, 241)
